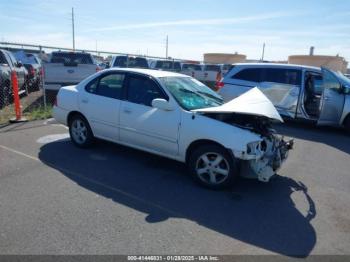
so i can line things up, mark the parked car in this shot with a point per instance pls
(193, 70)
(166, 65)
(33, 65)
(68, 68)
(178, 117)
(129, 61)
(8, 64)
(299, 92)
(211, 74)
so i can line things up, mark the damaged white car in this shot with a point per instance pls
(178, 117)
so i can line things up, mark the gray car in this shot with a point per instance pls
(309, 93)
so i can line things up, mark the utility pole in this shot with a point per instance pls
(73, 29)
(263, 53)
(166, 47)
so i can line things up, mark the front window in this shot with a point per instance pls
(190, 93)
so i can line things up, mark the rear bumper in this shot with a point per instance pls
(60, 115)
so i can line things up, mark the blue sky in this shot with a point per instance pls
(194, 26)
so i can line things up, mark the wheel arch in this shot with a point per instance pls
(197, 143)
(74, 113)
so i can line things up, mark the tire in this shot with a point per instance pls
(347, 124)
(80, 131)
(213, 167)
(4, 96)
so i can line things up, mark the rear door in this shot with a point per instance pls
(332, 99)
(282, 86)
(100, 103)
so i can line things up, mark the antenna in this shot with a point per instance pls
(73, 29)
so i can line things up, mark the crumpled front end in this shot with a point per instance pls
(265, 157)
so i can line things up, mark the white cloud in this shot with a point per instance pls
(195, 22)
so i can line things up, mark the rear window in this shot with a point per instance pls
(168, 65)
(282, 76)
(2, 59)
(71, 58)
(249, 74)
(135, 62)
(191, 67)
(215, 68)
(227, 67)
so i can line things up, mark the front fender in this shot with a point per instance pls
(196, 127)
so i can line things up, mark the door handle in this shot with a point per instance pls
(127, 110)
(84, 100)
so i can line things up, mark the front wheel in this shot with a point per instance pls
(213, 167)
(80, 131)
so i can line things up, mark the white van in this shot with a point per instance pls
(299, 92)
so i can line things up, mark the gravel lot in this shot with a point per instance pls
(58, 199)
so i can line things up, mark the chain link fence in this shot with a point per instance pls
(39, 80)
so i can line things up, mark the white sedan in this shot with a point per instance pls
(178, 117)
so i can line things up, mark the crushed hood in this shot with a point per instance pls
(253, 102)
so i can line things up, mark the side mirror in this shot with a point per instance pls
(108, 65)
(19, 64)
(162, 104)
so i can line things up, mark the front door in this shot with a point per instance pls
(100, 103)
(144, 126)
(332, 99)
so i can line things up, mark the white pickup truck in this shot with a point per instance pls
(68, 68)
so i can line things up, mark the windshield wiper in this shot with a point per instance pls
(211, 96)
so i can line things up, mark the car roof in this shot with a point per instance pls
(150, 72)
(277, 65)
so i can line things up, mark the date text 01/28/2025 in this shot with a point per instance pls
(173, 258)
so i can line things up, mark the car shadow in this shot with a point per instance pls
(259, 214)
(331, 136)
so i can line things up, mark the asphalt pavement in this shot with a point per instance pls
(110, 199)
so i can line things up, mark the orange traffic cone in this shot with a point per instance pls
(17, 104)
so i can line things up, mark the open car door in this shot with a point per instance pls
(332, 99)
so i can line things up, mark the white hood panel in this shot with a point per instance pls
(253, 102)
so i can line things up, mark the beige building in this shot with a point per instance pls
(336, 63)
(222, 58)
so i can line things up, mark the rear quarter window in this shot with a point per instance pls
(282, 76)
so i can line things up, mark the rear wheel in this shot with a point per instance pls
(213, 167)
(80, 131)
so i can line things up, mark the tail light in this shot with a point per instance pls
(42, 71)
(98, 69)
(219, 85)
(32, 71)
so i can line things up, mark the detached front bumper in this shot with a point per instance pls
(265, 165)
